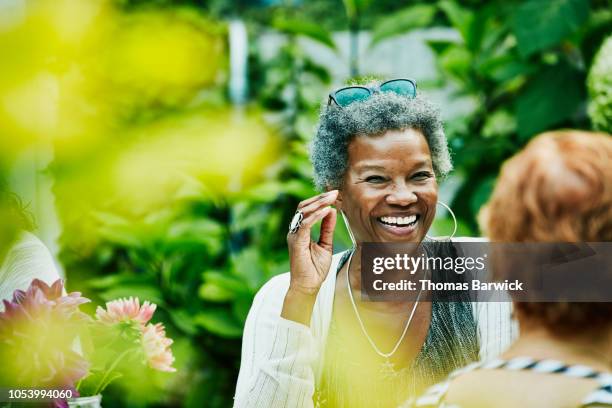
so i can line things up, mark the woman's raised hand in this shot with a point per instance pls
(309, 261)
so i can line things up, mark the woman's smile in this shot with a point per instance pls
(399, 224)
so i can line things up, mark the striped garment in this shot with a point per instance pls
(283, 362)
(601, 396)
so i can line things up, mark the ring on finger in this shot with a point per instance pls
(296, 222)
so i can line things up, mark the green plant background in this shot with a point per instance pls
(203, 251)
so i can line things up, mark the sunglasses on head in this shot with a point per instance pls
(345, 96)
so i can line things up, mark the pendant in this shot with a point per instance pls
(387, 369)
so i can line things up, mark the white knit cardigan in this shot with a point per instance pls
(27, 259)
(282, 360)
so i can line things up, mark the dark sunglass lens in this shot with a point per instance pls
(347, 96)
(400, 87)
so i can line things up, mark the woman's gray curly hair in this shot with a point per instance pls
(377, 114)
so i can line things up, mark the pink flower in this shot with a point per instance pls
(126, 310)
(37, 330)
(157, 347)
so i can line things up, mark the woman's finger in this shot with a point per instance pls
(318, 204)
(326, 238)
(302, 235)
(311, 200)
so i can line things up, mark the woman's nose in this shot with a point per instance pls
(401, 195)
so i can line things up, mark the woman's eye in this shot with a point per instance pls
(375, 179)
(422, 175)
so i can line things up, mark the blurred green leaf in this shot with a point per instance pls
(498, 124)
(248, 266)
(220, 322)
(265, 191)
(460, 17)
(506, 67)
(541, 24)
(482, 193)
(550, 97)
(117, 229)
(221, 287)
(225, 281)
(354, 8)
(214, 293)
(184, 320)
(417, 16)
(196, 231)
(241, 307)
(306, 29)
(456, 61)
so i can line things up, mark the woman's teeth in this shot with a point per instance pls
(399, 221)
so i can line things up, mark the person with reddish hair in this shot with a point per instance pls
(557, 189)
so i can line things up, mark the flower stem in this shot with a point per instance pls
(110, 370)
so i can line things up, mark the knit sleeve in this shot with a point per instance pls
(276, 368)
(496, 329)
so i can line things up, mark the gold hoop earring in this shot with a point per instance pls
(448, 237)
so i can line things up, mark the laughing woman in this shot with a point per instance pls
(309, 340)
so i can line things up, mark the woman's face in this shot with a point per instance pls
(390, 191)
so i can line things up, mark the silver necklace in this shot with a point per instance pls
(387, 368)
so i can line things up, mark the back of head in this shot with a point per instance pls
(557, 189)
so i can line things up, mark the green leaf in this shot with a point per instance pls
(400, 22)
(241, 307)
(117, 229)
(97, 382)
(551, 97)
(300, 188)
(499, 124)
(225, 281)
(214, 293)
(505, 67)
(184, 321)
(248, 266)
(194, 231)
(460, 18)
(220, 322)
(440, 46)
(306, 29)
(265, 191)
(539, 24)
(354, 8)
(457, 61)
(482, 193)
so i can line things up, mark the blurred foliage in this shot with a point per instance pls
(523, 64)
(600, 88)
(167, 193)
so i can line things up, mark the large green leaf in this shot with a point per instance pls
(306, 29)
(118, 230)
(461, 18)
(220, 322)
(419, 15)
(551, 97)
(247, 265)
(184, 321)
(225, 281)
(354, 8)
(195, 231)
(540, 24)
(220, 287)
